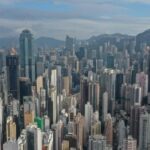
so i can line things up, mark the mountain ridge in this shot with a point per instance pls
(49, 42)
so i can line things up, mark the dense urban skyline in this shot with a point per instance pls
(83, 96)
(74, 94)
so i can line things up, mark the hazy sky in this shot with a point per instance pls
(78, 18)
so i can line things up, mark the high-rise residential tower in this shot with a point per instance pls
(129, 144)
(144, 132)
(109, 129)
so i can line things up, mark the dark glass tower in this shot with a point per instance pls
(119, 82)
(134, 72)
(149, 72)
(27, 59)
(69, 43)
(24, 88)
(1, 60)
(84, 94)
(12, 63)
(110, 61)
(30, 140)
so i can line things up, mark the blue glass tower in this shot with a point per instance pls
(27, 55)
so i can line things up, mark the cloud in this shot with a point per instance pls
(139, 1)
(80, 28)
(10, 2)
(31, 14)
(7, 2)
(83, 19)
(82, 10)
(99, 1)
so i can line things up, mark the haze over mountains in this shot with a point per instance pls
(46, 42)
(95, 41)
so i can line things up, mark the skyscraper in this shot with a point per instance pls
(144, 132)
(12, 63)
(110, 61)
(84, 93)
(88, 116)
(65, 84)
(1, 60)
(119, 82)
(142, 80)
(29, 110)
(98, 142)
(65, 145)
(109, 129)
(93, 94)
(104, 106)
(149, 71)
(24, 88)
(96, 128)
(80, 129)
(34, 137)
(69, 44)
(11, 129)
(48, 140)
(121, 133)
(27, 55)
(136, 111)
(129, 144)
(3, 87)
(108, 82)
(54, 104)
